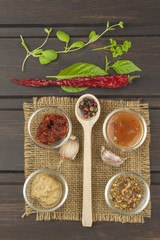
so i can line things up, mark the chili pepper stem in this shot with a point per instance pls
(131, 78)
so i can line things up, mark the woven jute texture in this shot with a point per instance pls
(36, 157)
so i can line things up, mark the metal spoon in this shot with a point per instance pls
(87, 125)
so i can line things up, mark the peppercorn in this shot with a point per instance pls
(95, 104)
(81, 103)
(88, 107)
(91, 109)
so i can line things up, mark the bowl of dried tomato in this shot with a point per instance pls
(127, 193)
(49, 127)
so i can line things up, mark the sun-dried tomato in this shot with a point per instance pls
(52, 128)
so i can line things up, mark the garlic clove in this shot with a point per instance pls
(70, 149)
(111, 158)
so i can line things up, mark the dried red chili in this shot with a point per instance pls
(52, 128)
(114, 81)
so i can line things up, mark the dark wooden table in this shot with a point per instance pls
(78, 18)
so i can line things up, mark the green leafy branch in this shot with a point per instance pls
(47, 56)
(115, 48)
(93, 37)
(36, 52)
(121, 66)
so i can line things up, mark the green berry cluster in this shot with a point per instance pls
(117, 49)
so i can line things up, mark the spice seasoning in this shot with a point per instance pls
(46, 190)
(52, 128)
(114, 81)
(88, 107)
(126, 192)
(124, 129)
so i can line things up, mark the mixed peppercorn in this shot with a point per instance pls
(88, 107)
(126, 193)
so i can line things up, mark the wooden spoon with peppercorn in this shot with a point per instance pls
(87, 111)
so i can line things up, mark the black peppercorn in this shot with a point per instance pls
(88, 107)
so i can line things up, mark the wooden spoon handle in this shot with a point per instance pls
(87, 184)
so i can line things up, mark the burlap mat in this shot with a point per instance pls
(138, 161)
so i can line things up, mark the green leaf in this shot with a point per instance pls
(37, 51)
(94, 38)
(118, 49)
(112, 49)
(73, 89)
(48, 30)
(114, 54)
(79, 70)
(124, 48)
(107, 25)
(44, 60)
(25, 45)
(125, 67)
(50, 54)
(113, 42)
(129, 44)
(120, 53)
(62, 36)
(79, 44)
(93, 33)
(121, 24)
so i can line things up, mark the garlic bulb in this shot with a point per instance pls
(111, 158)
(70, 149)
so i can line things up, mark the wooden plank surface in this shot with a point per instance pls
(78, 18)
(78, 31)
(13, 227)
(84, 12)
(14, 103)
(145, 52)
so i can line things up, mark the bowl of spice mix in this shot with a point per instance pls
(127, 193)
(49, 127)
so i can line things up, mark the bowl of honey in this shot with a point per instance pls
(125, 129)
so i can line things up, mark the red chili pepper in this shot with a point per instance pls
(114, 81)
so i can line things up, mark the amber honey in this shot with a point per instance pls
(124, 129)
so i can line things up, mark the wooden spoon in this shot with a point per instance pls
(87, 125)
